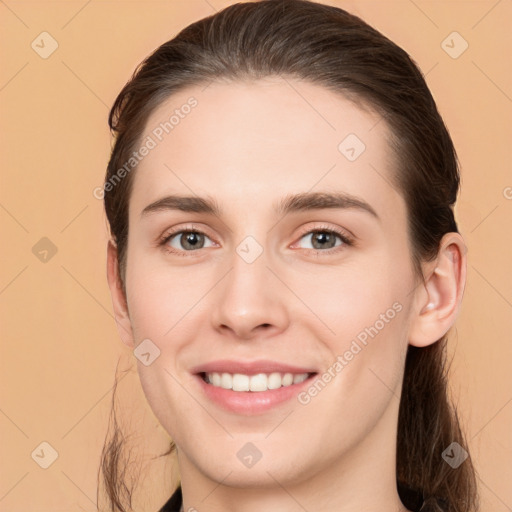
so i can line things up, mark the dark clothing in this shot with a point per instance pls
(412, 500)
(174, 503)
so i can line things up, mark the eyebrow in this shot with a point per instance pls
(291, 203)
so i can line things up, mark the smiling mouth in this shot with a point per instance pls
(259, 382)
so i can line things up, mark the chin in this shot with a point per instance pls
(262, 474)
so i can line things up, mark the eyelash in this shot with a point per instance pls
(347, 240)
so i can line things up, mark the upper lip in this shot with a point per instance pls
(250, 367)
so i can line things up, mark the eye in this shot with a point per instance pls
(324, 239)
(185, 241)
(319, 240)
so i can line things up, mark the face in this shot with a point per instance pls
(291, 257)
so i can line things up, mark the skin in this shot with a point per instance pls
(248, 145)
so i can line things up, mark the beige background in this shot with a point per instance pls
(59, 341)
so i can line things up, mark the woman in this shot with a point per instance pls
(286, 265)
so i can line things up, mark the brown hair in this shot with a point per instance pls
(337, 50)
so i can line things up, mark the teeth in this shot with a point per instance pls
(259, 382)
(300, 378)
(240, 382)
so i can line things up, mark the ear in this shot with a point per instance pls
(437, 302)
(119, 301)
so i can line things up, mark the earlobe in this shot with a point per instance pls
(119, 302)
(437, 302)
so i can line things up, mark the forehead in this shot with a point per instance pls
(262, 139)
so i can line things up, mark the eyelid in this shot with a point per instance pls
(169, 233)
(326, 227)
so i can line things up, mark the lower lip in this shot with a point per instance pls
(251, 402)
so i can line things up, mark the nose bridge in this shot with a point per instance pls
(249, 296)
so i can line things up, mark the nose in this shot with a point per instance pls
(250, 301)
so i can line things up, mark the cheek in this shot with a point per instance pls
(362, 380)
(160, 298)
(164, 304)
(351, 297)
(169, 401)
(362, 309)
